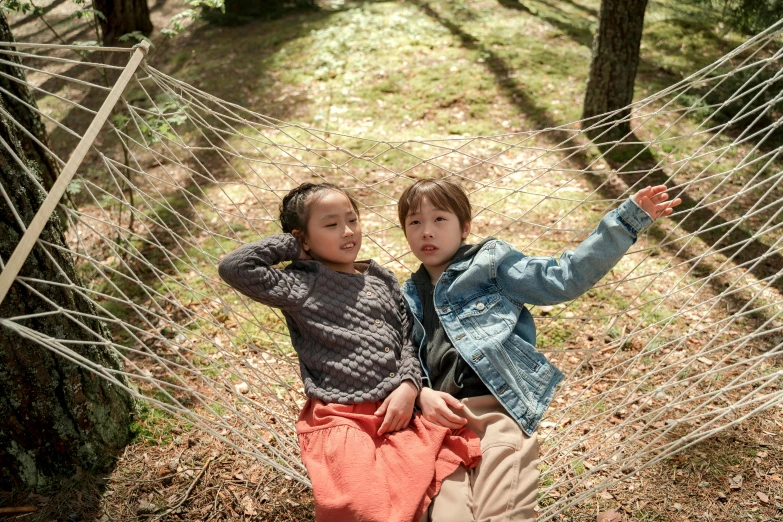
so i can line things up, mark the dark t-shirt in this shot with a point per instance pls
(447, 369)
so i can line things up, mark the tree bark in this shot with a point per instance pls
(57, 417)
(613, 66)
(15, 105)
(123, 17)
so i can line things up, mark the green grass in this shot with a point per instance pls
(153, 426)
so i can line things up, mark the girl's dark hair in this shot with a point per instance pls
(294, 210)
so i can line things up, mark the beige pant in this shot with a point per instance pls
(504, 485)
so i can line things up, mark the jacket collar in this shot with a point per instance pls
(459, 263)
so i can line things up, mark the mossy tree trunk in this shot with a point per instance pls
(15, 106)
(123, 17)
(56, 416)
(613, 65)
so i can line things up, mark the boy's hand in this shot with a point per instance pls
(398, 408)
(653, 201)
(435, 408)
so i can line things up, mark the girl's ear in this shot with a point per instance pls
(466, 230)
(301, 238)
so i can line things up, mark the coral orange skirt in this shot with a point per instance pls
(358, 476)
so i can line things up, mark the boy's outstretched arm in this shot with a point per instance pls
(544, 280)
(249, 269)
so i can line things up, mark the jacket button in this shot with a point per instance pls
(460, 336)
(386, 349)
(369, 294)
(391, 374)
(377, 322)
(480, 306)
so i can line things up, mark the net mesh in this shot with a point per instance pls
(677, 343)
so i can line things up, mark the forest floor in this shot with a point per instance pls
(396, 71)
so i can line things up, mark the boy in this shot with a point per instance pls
(476, 338)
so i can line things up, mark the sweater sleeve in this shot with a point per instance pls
(410, 368)
(249, 269)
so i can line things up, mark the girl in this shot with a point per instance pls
(368, 459)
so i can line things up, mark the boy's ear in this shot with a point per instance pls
(466, 230)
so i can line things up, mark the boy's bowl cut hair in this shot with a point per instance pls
(295, 207)
(442, 194)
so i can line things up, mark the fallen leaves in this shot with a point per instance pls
(606, 495)
(609, 516)
(247, 506)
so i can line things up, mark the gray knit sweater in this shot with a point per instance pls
(351, 331)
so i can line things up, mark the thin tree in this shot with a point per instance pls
(613, 65)
(57, 417)
(122, 17)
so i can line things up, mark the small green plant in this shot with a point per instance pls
(152, 425)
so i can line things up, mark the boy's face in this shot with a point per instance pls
(434, 235)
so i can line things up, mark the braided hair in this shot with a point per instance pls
(294, 210)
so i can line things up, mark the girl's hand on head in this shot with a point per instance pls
(397, 409)
(653, 200)
(436, 408)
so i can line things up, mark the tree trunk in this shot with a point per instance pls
(57, 417)
(613, 66)
(123, 17)
(46, 165)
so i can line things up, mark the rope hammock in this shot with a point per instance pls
(674, 345)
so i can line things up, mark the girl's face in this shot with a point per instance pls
(334, 235)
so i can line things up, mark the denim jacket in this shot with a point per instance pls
(481, 304)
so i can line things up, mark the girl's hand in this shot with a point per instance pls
(435, 407)
(653, 201)
(398, 408)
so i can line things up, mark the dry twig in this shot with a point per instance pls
(188, 491)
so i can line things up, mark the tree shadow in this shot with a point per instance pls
(70, 35)
(755, 108)
(639, 167)
(580, 33)
(587, 10)
(515, 4)
(34, 16)
(746, 248)
(77, 498)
